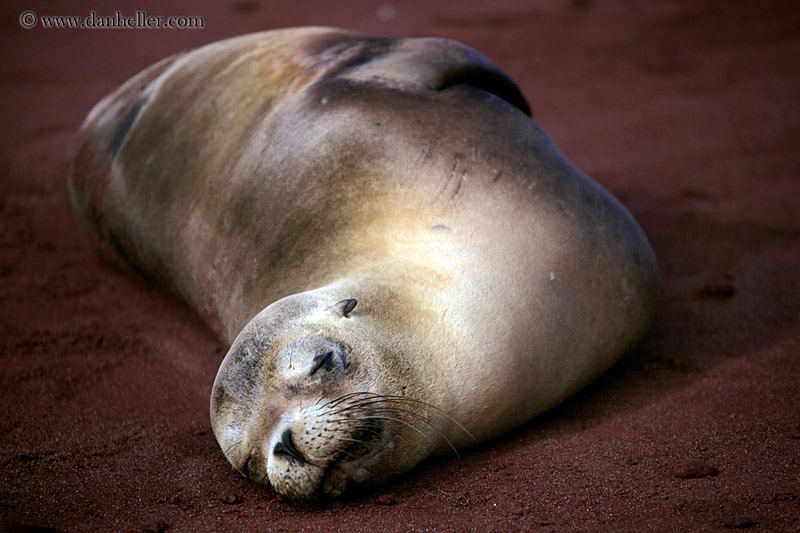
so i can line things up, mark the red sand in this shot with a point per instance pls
(688, 111)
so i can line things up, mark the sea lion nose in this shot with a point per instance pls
(286, 447)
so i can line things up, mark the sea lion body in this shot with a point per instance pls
(274, 181)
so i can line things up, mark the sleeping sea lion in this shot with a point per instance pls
(401, 259)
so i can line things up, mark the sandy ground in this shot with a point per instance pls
(689, 112)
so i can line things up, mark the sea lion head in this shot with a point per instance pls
(306, 402)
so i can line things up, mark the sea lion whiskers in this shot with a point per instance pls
(367, 402)
(378, 398)
(348, 444)
(364, 429)
(343, 450)
(416, 417)
(406, 412)
(383, 409)
(232, 446)
(412, 426)
(342, 398)
(346, 439)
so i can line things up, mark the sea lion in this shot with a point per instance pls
(403, 261)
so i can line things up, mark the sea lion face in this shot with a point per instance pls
(299, 402)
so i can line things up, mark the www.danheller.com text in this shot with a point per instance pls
(139, 20)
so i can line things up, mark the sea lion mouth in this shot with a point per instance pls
(323, 449)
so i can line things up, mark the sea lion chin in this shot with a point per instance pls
(403, 262)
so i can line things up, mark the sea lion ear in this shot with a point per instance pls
(344, 307)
